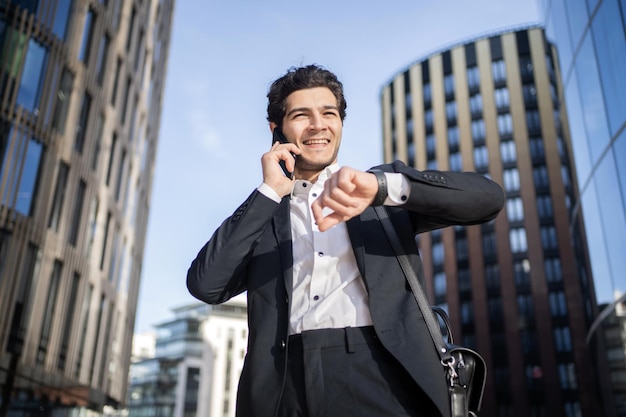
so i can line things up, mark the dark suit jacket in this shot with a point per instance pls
(251, 251)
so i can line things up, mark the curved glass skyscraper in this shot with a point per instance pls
(518, 288)
(590, 36)
(81, 83)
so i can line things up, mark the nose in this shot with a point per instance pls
(316, 122)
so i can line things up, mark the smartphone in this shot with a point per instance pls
(278, 136)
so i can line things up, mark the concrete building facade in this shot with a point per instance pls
(81, 84)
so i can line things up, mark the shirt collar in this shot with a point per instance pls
(301, 187)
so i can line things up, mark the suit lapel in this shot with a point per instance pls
(282, 231)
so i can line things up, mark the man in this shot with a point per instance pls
(333, 327)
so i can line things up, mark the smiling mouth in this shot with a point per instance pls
(316, 142)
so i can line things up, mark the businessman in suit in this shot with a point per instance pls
(333, 327)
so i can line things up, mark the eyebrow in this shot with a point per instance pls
(304, 109)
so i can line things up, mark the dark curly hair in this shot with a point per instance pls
(300, 78)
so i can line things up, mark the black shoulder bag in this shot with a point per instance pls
(466, 371)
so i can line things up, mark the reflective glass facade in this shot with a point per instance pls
(591, 39)
(76, 171)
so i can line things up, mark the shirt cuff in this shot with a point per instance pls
(269, 192)
(398, 189)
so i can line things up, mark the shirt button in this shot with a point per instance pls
(403, 198)
(320, 254)
(317, 297)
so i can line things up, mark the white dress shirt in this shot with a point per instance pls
(328, 291)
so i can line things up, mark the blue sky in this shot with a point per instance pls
(224, 55)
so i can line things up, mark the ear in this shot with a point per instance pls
(273, 126)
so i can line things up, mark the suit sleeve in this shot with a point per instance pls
(218, 272)
(439, 199)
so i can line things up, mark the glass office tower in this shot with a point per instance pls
(518, 288)
(81, 83)
(591, 39)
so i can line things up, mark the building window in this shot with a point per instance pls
(120, 175)
(60, 18)
(540, 177)
(63, 101)
(430, 145)
(105, 239)
(489, 244)
(521, 272)
(514, 209)
(517, 240)
(91, 231)
(530, 95)
(111, 159)
(502, 98)
(467, 312)
(69, 319)
(567, 377)
(455, 161)
(129, 35)
(481, 158)
(438, 256)
(440, 284)
(537, 152)
(505, 125)
(476, 105)
(511, 180)
(526, 308)
(544, 207)
(29, 93)
(83, 121)
(448, 86)
(116, 80)
(508, 152)
(98, 139)
(553, 270)
(84, 319)
(473, 78)
(548, 238)
(533, 122)
(428, 95)
(562, 339)
(103, 50)
(558, 305)
(498, 71)
(85, 45)
(59, 196)
(49, 310)
(526, 67)
(461, 249)
(453, 137)
(22, 161)
(492, 276)
(478, 130)
(451, 112)
(77, 213)
(429, 120)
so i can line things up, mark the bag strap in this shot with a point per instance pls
(447, 359)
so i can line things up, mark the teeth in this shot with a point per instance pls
(316, 141)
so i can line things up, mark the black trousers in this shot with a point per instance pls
(348, 373)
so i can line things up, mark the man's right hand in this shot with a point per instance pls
(272, 172)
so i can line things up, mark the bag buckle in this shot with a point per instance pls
(449, 363)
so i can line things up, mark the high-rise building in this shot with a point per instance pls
(196, 364)
(590, 37)
(517, 289)
(81, 84)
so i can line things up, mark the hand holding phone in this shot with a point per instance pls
(277, 135)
